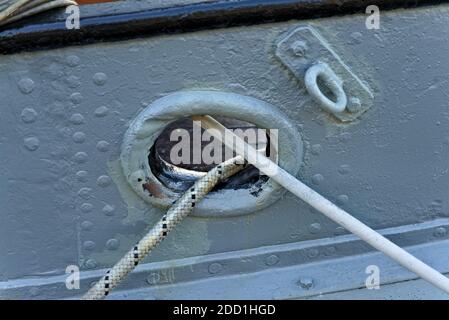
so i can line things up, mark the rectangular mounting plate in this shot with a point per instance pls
(304, 47)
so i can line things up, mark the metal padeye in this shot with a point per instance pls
(310, 58)
(332, 81)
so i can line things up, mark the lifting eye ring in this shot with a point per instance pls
(332, 81)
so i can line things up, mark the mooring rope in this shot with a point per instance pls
(180, 209)
(13, 10)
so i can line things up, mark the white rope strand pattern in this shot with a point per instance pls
(181, 208)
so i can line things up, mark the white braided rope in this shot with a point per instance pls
(181, 208)
(13, 10)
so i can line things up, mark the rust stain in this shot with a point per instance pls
(153, 189)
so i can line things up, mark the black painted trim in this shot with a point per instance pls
(48, 32)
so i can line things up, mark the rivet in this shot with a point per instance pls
(90, 264)
(82, 176)
(73, 60)
(81, 157)
(440, 232)
(112, 244)
(31, 143)
(77, 118)
(314, 228)
(101, 111)
(79, 137)
(272, 260)
(153, 278)
(316, 149)
(317, 178)
(84, 193)
(28, 115)
(55, 71)
(103, 146)
(76, 98)
(339, 231)
(100, 78)
(103, 181)
(26, 85)
(215, 268)
(108, 210)
(342, 199)
(86, 207)
(88, 245)
(344, 169)
(73, 82)
(306, 283)
(313, 253)
(86, 225)
(299, 48)
(330, 251)
(354, 104)
(356, 37)
(295, 235)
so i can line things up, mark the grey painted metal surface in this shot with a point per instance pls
(65, 199)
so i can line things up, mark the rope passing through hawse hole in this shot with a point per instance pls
(185, 205)
(180, 209)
